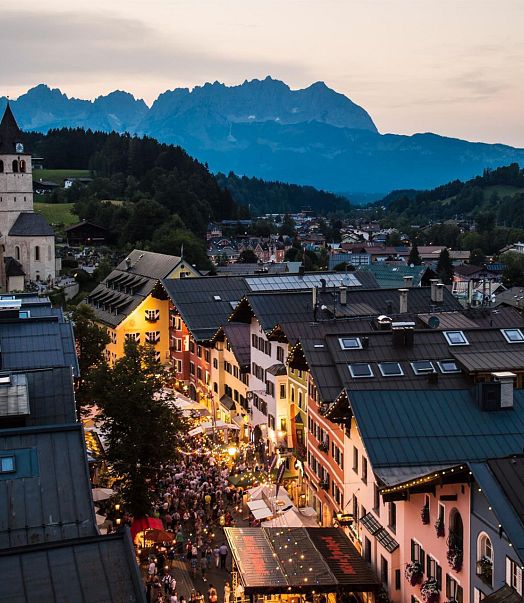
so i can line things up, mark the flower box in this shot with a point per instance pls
(429, 591)
(414, 572)
(424, 515)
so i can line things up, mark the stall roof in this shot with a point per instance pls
(273, 560)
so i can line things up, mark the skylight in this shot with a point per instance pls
(448, 366)
(217, 298)
(422, 367)
(360, 369)
(513, 335)
(456, 338)
(390, 369)
(350, 343)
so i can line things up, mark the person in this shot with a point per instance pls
(239, 593)
(223, 555)
(173, 597)
(194, 563)
(151, 570)
(212, 595)
(203, 566)
(216, 555)
(227, 592)
(167, 580)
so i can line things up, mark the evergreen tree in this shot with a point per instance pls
(445, 267)
(141, 428)
(414, 256)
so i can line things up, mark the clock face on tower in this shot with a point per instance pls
(19, 147)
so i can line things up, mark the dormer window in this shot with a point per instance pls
(7, 464)
(456, 338)
(350, 343)
(513, 335)
(359, 370)
(448, 366)
(390, 369)
(423, 367)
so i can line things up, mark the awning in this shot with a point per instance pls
(272, 560)
(261, 513)
(506, 594)
(292, 518)
(238, 420)
(145, 523)
(227, 402)
(209, 427)
(256, 504)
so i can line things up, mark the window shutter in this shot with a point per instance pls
(460, 594)
(439, 577)
(519, 581)
(422, 558)
(448, 586)
(508, 571)
(412, 550)
(428, 566)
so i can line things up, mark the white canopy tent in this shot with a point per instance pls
(291, 518)
(208, 427)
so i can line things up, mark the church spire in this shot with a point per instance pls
(9, 132)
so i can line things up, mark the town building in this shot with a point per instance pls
(131, 303)
(26, 236)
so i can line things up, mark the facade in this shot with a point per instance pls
(131, 303)
(26, 236)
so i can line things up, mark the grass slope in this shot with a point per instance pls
(57, 213)
(59, 176)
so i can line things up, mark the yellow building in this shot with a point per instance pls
(131, 303)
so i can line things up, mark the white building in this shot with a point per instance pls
(26, 236)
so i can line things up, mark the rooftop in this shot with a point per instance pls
(29, 224)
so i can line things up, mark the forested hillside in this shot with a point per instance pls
(264, 197)
(493, 202)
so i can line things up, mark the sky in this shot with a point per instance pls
(453, 67)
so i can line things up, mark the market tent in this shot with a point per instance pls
(145, 523)
(315, 559)
(262, 513)
(100, 494)
(291, 518)
(256, 504)
(209, 427)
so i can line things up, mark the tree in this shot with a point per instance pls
(513, 275)
(141, 428)
(414, 256)
(288, 227)
(247, 256)
(394, 239)
(91, 341)
(445, 267)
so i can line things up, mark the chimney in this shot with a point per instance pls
(314, 292)
(439, 292)
(506, 380)
(403, 300)
(128, 263)
(343, 296)
(323, 282)
(433, 282)
(408, 282)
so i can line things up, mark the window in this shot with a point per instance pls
(514, 575)
(513, 335)
(350, 343)
(384, 570)
(456, 338)
(355, 460)
(376, 500)
(417, 553)
(484, 548)
(215, 363)
(454, 592)
(199, 351)
(364, 470)
(152, 315)
(37, 253)
(217, 298)
(282, 390)
(192, 368)
(1, 166)
(206, 355)
(392, 517)
(17, 252)
(7, 464)
(271, 421)
(280, 354)
(133, 336)
(270, 389)
(390, 369)
(199, 373)
(359, 370)
(422, 367)
(15, 166)
(448, 366)
(433, 570)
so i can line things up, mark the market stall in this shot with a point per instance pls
(295, 564)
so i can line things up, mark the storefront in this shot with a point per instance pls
(295, 565)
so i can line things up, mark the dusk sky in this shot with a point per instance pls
(454, 67)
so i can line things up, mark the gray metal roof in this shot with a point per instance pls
(96, 569)
(51, 396)
(424, 427)
(31, 225)
(148, 264)
(49, 495)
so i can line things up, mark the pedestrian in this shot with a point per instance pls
(166, 583)
(212, 595)
(203, 567)
(227, 592)
(173, 598)
(216, 555)
(223, 555)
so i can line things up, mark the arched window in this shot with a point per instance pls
(37, 253)
(1, 166)
(484, 547)
(22, 166)
(15, 166)
(485, 558)
(17, 252)
(456, 530)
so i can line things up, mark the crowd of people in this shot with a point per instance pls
(194, 500)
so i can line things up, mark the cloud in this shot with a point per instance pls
(72, 47)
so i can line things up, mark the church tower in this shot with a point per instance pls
(27, 237)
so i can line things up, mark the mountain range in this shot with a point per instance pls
(263, 128)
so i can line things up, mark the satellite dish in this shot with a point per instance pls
(433, 322)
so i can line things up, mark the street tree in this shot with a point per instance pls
(445, 267)
(414, 256)
(142, 429)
